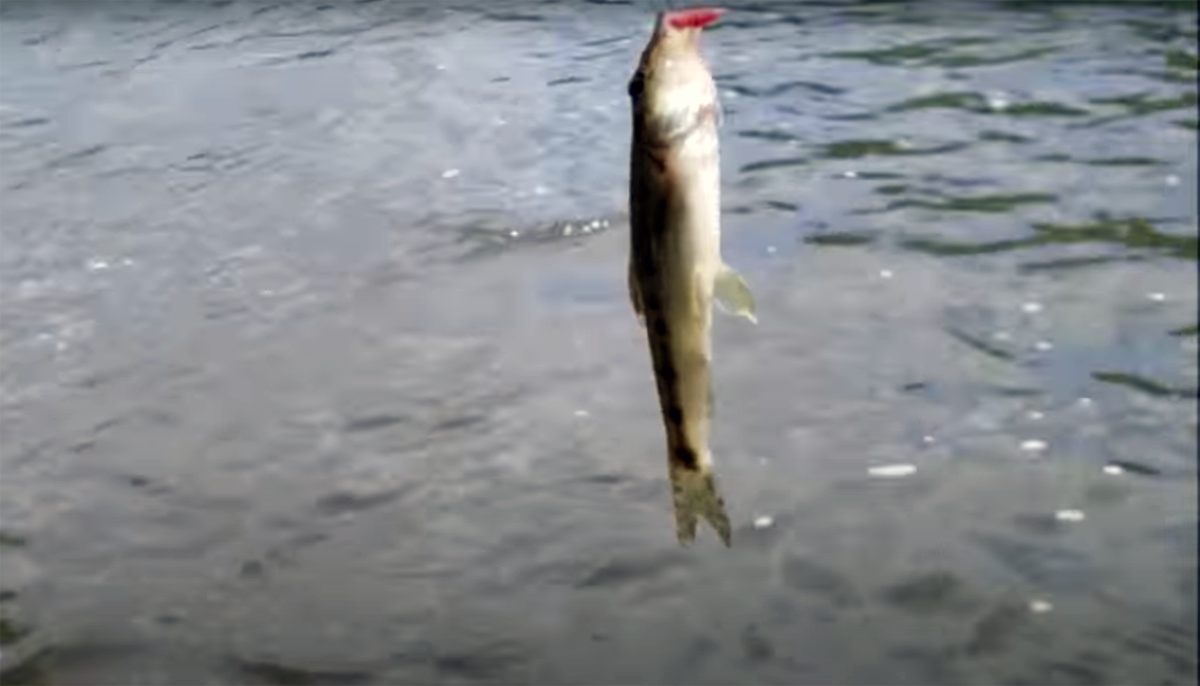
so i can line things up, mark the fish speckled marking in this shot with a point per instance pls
(675, 266)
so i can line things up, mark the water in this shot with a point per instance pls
(318, 365)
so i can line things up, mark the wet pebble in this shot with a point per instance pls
(886, 273)
(763, 522)
(1069, 515)
(1031, 307)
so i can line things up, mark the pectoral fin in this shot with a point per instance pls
(733, 295)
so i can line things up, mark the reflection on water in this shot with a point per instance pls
(318, 365)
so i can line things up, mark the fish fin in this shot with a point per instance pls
(694, 492)
(635, 296)
(733, 295)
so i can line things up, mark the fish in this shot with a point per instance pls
(676, 272)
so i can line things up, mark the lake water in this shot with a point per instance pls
(318, 365)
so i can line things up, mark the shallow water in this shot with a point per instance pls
(318, 365)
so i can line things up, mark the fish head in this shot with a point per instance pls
(673, 85)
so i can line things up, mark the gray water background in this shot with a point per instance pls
(318, 367)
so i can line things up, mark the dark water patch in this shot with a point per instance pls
(849, 116)
(11, 632)
(842, 238)
(343, 502)
(605, 41)
(490, 663)
(510, 17)
(631, 569)
(943, 248)
(755, 646)
(27, 123)
(878, 176)
(1137, 104)
(1160, 32)
(779, 163)
(932, 665)
(775, 136)
(1133, 233)
(460, 422)
(1182, 59)
(1039, 523)
(1041, 564)
(966, 60)
(992, 204)
(11, 540)
(1070, 263)
(1125, 162)
(1067, 673)
(76, 156)
(567, 80)
(1173, 77)
(928, 592)
(300, 57)
(785, 87)
(992, 633)
(921, 52)
(812, 577)
(979, 344)
(852, 149)
(314, 54)
(1143, 385)
(1174, 644)
(1042, 109)
(605, 479)
(970, 101)
(1136, 467)
(23, 660)
(273, 673)
(994, 136)
(1054, 157)
(374, 422)
(781, 206)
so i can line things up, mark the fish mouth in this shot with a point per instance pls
(692, 17)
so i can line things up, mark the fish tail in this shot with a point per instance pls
(694, 491)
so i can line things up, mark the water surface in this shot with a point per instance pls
(318, 365)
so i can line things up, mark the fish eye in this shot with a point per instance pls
(635, 85)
